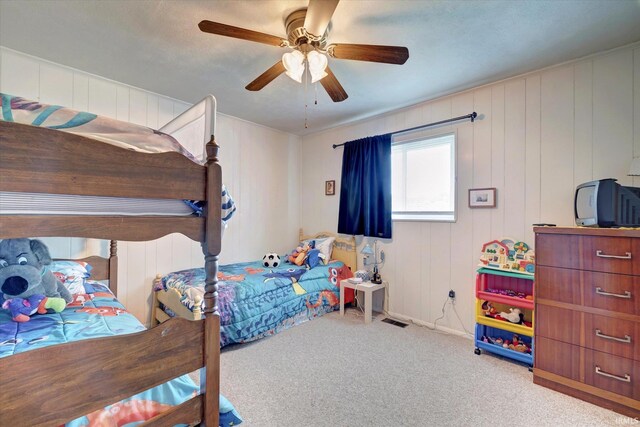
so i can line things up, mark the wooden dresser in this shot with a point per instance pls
(587, 330)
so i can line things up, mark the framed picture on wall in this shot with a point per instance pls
(482, 197)
(329, 188)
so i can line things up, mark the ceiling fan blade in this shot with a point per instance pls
(333, 86)
(369, 52)
(319, 14)
(266, 77)
(240, 33)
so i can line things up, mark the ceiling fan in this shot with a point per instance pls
(307, 31)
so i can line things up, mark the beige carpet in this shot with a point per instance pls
(336, 371)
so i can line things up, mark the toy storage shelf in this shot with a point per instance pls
(502, 324)
(505, 352)
(506, 287)
(504, 280)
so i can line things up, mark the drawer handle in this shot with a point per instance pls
(626, 338)
(626, 378)
(626, 295)
(627, 255)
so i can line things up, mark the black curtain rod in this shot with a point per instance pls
(471, 117)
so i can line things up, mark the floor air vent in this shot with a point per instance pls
(394, 322)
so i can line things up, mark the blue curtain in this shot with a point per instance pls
(365, 193)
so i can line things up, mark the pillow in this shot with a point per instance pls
(325, 246)
(72, 274)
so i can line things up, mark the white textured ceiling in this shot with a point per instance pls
(453, 45)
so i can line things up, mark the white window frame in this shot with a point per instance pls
(431, 216)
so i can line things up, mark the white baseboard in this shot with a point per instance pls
(418, 322)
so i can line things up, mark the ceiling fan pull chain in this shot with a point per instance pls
(306, 84)
(315, 86)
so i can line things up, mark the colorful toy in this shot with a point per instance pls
(514, 315)
(271, 260)
(488, 309)
(519, 345)
(24, 272)
(508, 255)
(314, 257)
(516, 344)
(23, 308)
(509, 293)
(299, 255)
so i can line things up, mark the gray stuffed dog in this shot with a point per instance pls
(23, 271)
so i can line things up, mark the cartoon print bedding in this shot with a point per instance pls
(92, 314)
(255, 301)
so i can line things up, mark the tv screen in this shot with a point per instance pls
(586, 207)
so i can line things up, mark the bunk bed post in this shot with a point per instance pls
(210, 378)
(113, 266)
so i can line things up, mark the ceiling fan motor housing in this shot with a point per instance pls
(298, 35)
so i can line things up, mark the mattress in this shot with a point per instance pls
(93, 314)
(255, 301)
(12, 203)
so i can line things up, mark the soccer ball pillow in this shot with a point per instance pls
(271, 260)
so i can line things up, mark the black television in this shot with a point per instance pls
(605, 203)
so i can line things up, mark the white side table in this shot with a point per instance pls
(368, 288)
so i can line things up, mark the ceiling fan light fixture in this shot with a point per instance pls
(317, 64)
(317, 76)
(294, 64)
(296, 75)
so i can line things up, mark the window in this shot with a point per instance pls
(423, 178)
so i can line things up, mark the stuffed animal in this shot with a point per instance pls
(291, 258)
(22, 308)
(23, 274)
(300, 254)
(314, 257)
(489, 309)
(514, 315)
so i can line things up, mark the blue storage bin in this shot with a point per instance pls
(488, 331)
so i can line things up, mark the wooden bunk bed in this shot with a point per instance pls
(40, 160)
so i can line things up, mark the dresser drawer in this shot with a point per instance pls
(607, 291)
(558, 284)
(558, 324)
(613, 292)
(595, 253)
(612, 373)
(557, 357)
(611, 335)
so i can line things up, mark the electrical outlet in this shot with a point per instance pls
(452, 294)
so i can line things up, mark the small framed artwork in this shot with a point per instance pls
(482, 197)
(329, 188)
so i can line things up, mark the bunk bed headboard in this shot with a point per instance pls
(103, 268)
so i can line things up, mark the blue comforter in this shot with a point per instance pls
(96, 314)
(255, 301)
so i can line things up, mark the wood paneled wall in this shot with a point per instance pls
(539, 135)
(260, 169)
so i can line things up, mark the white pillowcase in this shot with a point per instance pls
(325, 246)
